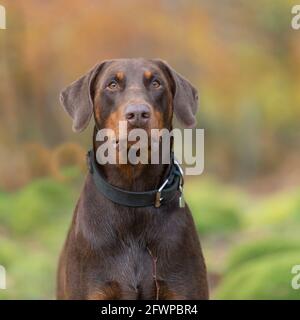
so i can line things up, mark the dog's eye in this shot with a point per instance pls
(113, 85)
(155, 83)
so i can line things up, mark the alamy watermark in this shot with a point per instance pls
(2, 278)
(296, 279)
(139, 146)
(296, 18)
(2, 17)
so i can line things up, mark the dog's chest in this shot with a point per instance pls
(129, 256)
(128, 273)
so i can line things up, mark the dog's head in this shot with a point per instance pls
(140, 91)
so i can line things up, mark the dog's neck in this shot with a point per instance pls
(132, 177)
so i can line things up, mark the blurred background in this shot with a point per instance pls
(244, 58)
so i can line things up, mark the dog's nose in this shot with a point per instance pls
(137, 114)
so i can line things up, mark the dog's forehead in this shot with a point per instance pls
(132, 67)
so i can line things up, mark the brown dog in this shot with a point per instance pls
(116, 251)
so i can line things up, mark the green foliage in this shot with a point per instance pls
(41, 203)
(35, 220)
(266, 278)
(214, 210)
(251, 251)
(277, 211)
(38, 204)
(9, 251)
(31, 276)
(261, 268)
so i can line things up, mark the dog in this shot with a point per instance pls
(130, 237)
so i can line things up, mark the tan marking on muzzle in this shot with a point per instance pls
(157, 120)
(113, 120)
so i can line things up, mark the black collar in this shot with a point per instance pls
(172, 184)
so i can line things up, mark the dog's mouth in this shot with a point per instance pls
(138, 143)
(139, 148)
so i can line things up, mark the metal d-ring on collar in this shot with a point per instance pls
(156, 198)
(181, 183)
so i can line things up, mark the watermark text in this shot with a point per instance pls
(139, 146)
(2, 278)
(296, 17)
(2, 17)
(296, 279)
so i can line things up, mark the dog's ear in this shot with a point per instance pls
(77, 98)
(185, 96)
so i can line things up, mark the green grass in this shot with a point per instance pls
(34, 222)
(31, 276)
(215, 210)
(254, 250)
(268, 277)
(277, 211)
